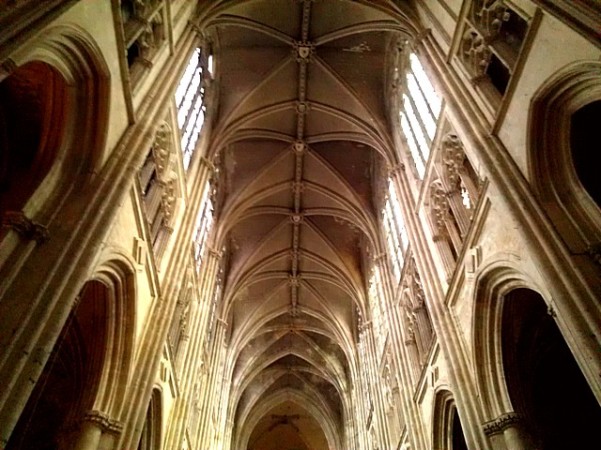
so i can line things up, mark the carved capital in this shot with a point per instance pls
(103, 421)
(501, 423)
(25, 227)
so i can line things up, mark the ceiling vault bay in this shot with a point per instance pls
(299, 134)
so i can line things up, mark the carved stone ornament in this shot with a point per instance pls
(475, 54)
(439, 205)
(453, 157)
(501, 423)
(488, 16)
(299, 147)
(297, 218)
(24, 226)
(169, 198)
(304, 50)
(418, 290)
(162, 150)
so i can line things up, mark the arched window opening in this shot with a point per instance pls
(448, 430)
(32, 115)
(204, 223)
(583, 142)
(419, 113)
(151, 433)
(67, 387)
(546, 386)
(395, 233)
(378, 310)
(189, 99)
(457, 436)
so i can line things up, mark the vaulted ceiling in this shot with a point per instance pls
(302, 138)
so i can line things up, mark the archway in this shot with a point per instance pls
(584, 134)
(68, 385)
(288, 426)
(564, 117)
(151, 433)
(546, 387)
(448, 431)
(33, 103)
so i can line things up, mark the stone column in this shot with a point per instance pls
(506, 432)
(97, 430)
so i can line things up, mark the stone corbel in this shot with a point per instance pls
(25, 227)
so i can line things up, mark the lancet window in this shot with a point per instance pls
(204, 223)
(159, 187)
(420, 108)
(395, 233)
(378, 310)
(492, 39)
(144, 33)
(189, 99)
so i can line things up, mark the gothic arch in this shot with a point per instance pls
(151, 438)
(552, 160)
(493, 283)
(84, 381)
(57, 86)
(554, 403)
(447, 429)
(117, 275)
(518, 348)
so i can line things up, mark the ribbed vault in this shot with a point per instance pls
(301, 138)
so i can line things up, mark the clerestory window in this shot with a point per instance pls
(204, 223)
(189, 98)
(420, 108)
(394, 230)
(378, 317)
